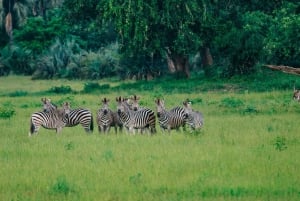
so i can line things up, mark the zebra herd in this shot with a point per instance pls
(129, 114)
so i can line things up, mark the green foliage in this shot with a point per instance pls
(56, 59)
(280, 143)
(61, 186)
(15, 59)
(283, 39)
(44, 32)
(94, 86)
(63, 89)
(18, 93)
(7, 111)
(242, 45)
(231, 102)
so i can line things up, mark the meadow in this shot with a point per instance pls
(247, 150)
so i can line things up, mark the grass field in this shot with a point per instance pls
(248, 148)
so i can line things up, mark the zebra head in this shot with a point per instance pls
(187, 105)
(105, 105)
(135, 102)
(120, 106)
(66, 107)
(47, 105)
(160, 107)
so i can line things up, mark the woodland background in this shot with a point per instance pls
(92, 39)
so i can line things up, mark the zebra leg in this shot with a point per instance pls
(58, 130)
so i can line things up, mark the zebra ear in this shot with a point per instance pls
(44, 100)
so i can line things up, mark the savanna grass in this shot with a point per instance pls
(247, 150)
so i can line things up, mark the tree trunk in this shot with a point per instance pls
(178, 64)
(207, 61)
(9, 27)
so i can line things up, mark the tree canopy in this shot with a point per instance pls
(151, 37)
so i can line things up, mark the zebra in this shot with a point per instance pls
(296, 94)
(194, 118)
(140, 119)
(50, 118)
(80, 116)
(107, 118)
(168, 120)
(135, 103)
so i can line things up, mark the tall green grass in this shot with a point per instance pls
(247, 149)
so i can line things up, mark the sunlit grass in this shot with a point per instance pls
(234, 157)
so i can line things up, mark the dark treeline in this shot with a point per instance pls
(92, 39)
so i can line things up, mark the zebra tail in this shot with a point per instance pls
(32, 127)
(92, 124)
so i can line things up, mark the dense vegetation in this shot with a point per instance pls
(144, 39)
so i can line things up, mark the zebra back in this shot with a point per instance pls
(195, 118)
(173, 119)
(51, 118)
(77, 116)
(81, 116)
(140, 119)
(296, 95)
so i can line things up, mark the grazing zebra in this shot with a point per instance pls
(194, 118)
(296, 95)
(80, 116)
(50, 118)
(107, 118)
(141, 119)
(173, 119)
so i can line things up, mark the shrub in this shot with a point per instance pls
(6, 112)
(280, 143)
(231, 102)
(94, 86)
(61, 186)
(18, 93)
(61, 89)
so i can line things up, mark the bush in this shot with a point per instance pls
(94, 86)
(242, 45)
(18, 93)
(61, 89)
(283, 39)
(6, 112)
(15, 59)
(231, 102)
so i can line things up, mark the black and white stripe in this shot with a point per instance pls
(296, 95)
(140, 119)
(50, 118)
(168, 120)
(106, 118)
(80, 116)
(194, 118)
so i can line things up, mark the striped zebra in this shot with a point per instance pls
(50, 118)
(140, 119)
(168, 120)
(194, 118)
(135, 103)
(80, 116)
(296, 94)
(106, 118)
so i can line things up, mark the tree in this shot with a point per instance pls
(171, 29)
